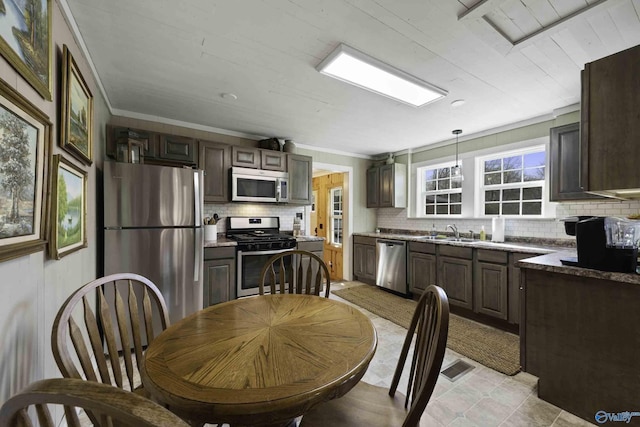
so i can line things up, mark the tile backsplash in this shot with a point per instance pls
(224, 210)
(543, 228)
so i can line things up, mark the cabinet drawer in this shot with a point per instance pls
(456, 251)
(315, 246)
(425, 248)
(245, 157)
(273, 160)
(498, 257)
(221, 252)
(178, 148)
(364, 240)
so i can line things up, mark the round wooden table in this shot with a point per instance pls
(259, 361)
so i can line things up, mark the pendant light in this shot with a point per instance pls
(456, 171)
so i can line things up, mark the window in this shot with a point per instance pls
(439, 194)
(513, 183)
(335, 215)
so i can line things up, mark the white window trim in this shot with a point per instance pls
(470, 189)
(548, 208)
(420, 194)
(332, 216)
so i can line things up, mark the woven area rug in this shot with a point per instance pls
(490, 347)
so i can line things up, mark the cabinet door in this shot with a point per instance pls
(245, 157)
(422, 271)
(491, 290)
(455, 277)
(300, 179)
(386, 186)
(273, 160)
(373, 187)
(358, 260)
(610, 129)
(370, 262)
(516, 292)
(219, 281)
(178, 148)
(215, 161)
(564, 161)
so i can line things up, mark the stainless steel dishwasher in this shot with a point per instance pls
(391, 256)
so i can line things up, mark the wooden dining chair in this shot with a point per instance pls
(108, 405)
(295, 272)
(368, 405)
(86, 344)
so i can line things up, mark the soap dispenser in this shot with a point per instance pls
(483, 234)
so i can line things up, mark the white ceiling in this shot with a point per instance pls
(510, 60)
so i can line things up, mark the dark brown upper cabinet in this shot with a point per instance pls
(564, 164)
(610, 125)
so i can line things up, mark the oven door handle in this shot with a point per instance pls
(270, 252)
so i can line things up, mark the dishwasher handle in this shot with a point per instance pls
(391, 242)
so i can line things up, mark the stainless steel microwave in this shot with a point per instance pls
(256, 185)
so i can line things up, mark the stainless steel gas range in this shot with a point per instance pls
(258, 239)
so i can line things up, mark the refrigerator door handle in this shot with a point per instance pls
(198, 253)
(197, 197)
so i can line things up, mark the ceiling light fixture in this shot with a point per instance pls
(354, 67)
(456, 171)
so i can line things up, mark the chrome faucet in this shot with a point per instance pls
(471, 234)
(455, 230)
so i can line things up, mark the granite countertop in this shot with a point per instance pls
(223, 241)
(551, 262)
(533, 248)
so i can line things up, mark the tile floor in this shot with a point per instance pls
(482, 397)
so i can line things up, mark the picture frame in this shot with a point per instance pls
(23, 174)
(68, 205)
(76, 123)
(32, 60)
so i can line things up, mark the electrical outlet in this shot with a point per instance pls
(299, 215)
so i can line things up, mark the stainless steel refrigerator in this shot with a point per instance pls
(152, 226)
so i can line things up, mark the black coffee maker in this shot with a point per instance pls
(593, 250)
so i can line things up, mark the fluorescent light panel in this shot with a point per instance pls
(354, 67)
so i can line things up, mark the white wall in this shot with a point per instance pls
(32, 287)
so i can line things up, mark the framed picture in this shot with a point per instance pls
(25, 41)
(76, 127)
(25, 140)
(68, 208)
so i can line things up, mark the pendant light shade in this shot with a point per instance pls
(456, 171)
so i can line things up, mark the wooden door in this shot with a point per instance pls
(373, 187)
(300, 178)
(491, 290)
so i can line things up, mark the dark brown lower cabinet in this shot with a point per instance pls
(455, 277)
(491, 283)
(364, 259)
(219, 276)
(422, 267)
(491, 290)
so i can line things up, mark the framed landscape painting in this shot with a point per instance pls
(76, 127)
(68, 208)
(25, 41)
(25, 139)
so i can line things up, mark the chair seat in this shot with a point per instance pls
(365, 405)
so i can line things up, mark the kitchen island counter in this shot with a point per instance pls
(579, 336)
(551, 263)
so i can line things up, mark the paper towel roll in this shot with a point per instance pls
(497, 229)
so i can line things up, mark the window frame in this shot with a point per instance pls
(422, 193)
(481, 187)
(332, 215)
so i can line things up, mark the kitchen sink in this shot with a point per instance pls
(460, 239)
